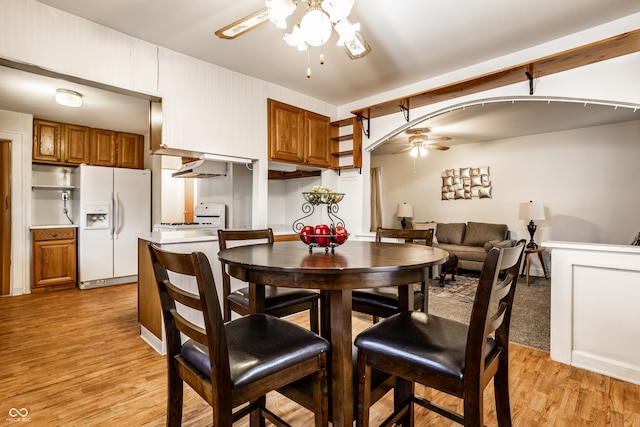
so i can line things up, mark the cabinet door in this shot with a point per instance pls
(54, 258)
(46, 141)
(103, 147)
(317, 138)
(129, 149)
(75, 144)
(286, 132)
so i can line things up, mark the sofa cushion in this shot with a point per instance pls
(478, 233)
(452, 233)
(465, 253)
(426, 226)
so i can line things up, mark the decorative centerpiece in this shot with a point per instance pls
(327, 236)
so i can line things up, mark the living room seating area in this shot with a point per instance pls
(470, 241)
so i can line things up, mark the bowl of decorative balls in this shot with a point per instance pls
(323, 236)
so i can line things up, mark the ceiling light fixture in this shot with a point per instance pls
(68, 98)
(314, 29)
(418, 146)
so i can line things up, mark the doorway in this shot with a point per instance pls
(5, 222)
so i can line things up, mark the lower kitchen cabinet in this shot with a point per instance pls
(54, 259)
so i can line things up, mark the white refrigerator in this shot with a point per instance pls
(113, 207)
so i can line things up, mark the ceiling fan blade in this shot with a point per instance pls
(440, 138)
(403, 150)
(358, 47)
(436, 147)
(243, 25)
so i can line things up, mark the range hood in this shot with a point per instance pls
(201, 169)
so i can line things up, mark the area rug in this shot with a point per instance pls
(530, 318)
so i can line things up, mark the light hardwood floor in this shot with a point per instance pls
(74, 358)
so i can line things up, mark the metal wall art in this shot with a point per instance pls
(465, 183)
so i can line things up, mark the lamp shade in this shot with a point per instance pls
(404, 211)
(531, 210)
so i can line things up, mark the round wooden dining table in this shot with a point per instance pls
(354, 265)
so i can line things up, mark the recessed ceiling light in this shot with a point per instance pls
(68, 98)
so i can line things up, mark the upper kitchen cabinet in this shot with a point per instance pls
(103, 147)
(130, 150)
(75, 146)
(298, 136)
(47, 140)
(72, 145)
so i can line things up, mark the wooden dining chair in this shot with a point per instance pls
(383, 302)
(230, 364)
(455, 358)
(279, 302)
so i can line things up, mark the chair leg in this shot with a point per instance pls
(256, 418)
(473, 407)
(313, 317)
(364, 390)
(321, 393)
(375, 319)
(174, 399)
(501, 387)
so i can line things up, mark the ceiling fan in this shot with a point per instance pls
(419, 142)
(321, 18)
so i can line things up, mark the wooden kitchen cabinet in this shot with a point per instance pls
(297, 135)
(129, 150)
(53, 259)
(75, 144)
(47, 140)
(103, 147)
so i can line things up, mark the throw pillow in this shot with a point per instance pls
(426, 226)
(478, 233)
(452, 233)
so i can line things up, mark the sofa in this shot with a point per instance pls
(470, 241)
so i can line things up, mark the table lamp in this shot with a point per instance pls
(530, 211)
(404, 211)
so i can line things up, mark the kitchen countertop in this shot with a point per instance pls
(182, 236)
(42, 227)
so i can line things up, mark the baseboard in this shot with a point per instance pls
(156, 343)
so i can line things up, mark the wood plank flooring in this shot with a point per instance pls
(75, 358)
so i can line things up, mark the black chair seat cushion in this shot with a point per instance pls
(259, 345)
(385, 297)
(275, 298)
(427, 342)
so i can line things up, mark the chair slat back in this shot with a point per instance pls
(212, 336)
(493, 302)
(408, 235)
(231, 238)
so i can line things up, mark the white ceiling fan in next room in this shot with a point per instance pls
(320, 19)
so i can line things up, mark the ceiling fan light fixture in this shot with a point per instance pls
(316, 27)
(346, 30)
(279, 11)
(296, 39)
(338, 9)
(68, 98)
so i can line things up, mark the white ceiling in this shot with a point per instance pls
(411, 40)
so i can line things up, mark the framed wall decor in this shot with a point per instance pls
(466, 183)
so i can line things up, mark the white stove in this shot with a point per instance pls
(208, 216)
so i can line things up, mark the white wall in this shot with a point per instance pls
(586, 179)
(18, 128)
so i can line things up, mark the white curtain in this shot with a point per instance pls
(376, 202)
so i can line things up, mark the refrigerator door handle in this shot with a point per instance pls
(116, 216)
(113, 220)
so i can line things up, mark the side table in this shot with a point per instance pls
(527, 261)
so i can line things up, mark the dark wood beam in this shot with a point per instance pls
(622, 44)
(290, 175)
